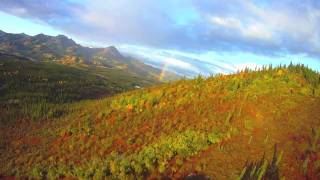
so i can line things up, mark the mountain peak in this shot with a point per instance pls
(113, 48)
(60, 36)
(65, 40)
(112, 51)
(41, 36)
(2, 33)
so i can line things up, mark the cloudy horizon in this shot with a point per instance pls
(192, 37)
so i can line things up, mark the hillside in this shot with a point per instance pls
(61, 49)
(33, 89)
(221, 127)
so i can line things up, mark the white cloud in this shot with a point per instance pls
(270, 28)
(250, 65)
(226, 22)
(252, 31)
(257, 31)
(177, 63)
(278, 26)
(19, 11)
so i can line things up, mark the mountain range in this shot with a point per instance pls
(61, 49)
(43, 71)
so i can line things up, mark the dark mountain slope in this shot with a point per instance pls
(30, 89)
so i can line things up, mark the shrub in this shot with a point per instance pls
(157, 155)
(262, 169)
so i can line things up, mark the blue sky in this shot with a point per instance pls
(189, 36)
(13, 24)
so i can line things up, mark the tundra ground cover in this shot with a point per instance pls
(213, 126)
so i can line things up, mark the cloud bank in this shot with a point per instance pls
(267, 27)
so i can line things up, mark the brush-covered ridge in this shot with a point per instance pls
(211, 126)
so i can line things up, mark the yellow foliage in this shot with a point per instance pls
(280, 72)
(130, 107)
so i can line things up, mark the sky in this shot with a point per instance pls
(189, 37)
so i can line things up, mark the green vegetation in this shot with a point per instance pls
(35, 86)
(43, 90)
(208, 126)
(137, 164)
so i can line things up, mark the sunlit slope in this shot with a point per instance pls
(210, 126)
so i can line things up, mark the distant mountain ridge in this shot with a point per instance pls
(4, 55)
(64, 50)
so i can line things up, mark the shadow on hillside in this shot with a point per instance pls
(196, 177)
(263, 169)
